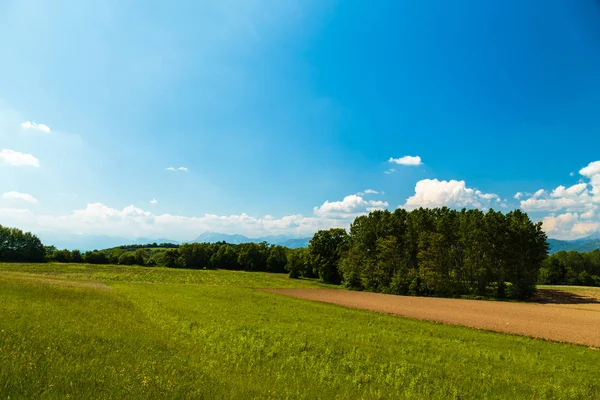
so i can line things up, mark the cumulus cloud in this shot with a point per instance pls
(518, 195)
(29, 125)
(17, 159)
(592, 172)
(568, 226)
(573, 208)
(389, 171)
(454, 194)
(350, 206)
(153, 201)
(406, 160)
(18, 196)
(184, 169)
(131, 221)
(574, 198)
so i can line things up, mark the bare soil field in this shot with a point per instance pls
(555, 315)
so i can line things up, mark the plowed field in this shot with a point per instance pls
(559, 316)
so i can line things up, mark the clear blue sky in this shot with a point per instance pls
(292, 109)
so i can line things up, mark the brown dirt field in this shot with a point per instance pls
(565, 317)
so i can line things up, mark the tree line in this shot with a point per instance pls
(571, 268)
(246, 256)
(431, 252)
(19, 246)
(424, 252)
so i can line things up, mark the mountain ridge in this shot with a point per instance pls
(582, 245)
(282, 240)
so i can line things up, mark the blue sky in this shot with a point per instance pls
(284, 113)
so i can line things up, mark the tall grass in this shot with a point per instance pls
(141, 333)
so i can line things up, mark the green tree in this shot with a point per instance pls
(127, 258)
(76, 256)
(19, 246)
(226, 257)
(277, 259)
(326, 249)
(253, 256)
(298, 263)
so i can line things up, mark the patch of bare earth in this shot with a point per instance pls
(554, 316)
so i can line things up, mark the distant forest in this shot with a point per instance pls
(425, 252)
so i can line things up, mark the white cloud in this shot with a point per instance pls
(17, 159)
(568, 226)
(589, 214)
(18, 196)
(153, 201)
(29, 125)
(389, 171)
(368, 191)
(553, 224)
(183, 169)
(582, 229)
(351, 206)
(406, 160)
(578, 204)
(430, 193)
(518, 195)
(131, 221)
(592, 172)
(573, 198)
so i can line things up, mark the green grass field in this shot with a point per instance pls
(81, 331)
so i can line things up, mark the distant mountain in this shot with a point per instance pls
(283, 240)
(213, 237)
(92, 242)
(150, 241)
(584, 245)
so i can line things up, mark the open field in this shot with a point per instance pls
(89, 331)
(567, 318)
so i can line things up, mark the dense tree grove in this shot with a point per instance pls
(325, 250)
(571, 268)
(443, 252)
(19, 246)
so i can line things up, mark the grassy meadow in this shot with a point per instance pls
(84, 331)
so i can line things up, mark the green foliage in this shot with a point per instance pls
(19, 246)
(298, 263)
(225, 257)
(95, 257)
(326, 248)
(571, 268)
(127, 259)
(76, 256)
(277, 259)
(443, 252)
(253, 256)
(217, 338)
